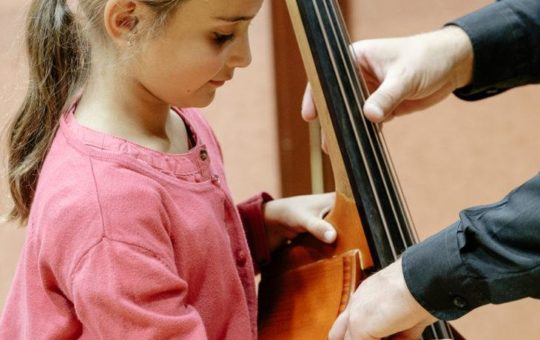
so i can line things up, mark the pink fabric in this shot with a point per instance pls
(125, 242)
(253, 217)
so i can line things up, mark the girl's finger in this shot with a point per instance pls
(321, 229)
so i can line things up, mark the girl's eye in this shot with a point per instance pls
(221, 39)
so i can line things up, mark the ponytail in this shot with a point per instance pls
(58, 58)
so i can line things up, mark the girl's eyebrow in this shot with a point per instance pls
(235, 18)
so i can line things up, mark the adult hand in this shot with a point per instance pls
(409, 74)
(287, 218)
(382, 306)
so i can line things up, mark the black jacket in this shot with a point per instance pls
(492, 254)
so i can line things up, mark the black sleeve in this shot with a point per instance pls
(491, 255)
(506, 43)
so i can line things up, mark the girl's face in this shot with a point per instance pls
(196, 52)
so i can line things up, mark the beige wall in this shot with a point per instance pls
(12, 81)
(243, 116)
(449, 157)
(459, 154)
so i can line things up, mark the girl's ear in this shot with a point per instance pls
(121, 18)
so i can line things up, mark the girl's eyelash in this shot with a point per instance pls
(222, 38)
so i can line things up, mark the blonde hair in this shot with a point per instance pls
(59, 63)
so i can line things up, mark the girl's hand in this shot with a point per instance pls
(287, 218)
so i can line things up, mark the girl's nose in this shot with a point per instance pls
(241, 56)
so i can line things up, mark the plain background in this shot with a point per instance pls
(450, 157)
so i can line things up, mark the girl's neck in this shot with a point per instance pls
(122, 107)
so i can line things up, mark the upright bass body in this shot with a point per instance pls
(308, 283)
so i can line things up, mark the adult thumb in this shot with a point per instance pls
(339, 328)
(381, 104)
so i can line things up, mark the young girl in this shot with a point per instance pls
(132, 232)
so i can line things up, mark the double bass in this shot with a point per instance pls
(308, 283)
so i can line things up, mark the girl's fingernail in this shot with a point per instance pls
(329, 235)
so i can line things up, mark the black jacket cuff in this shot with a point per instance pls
(506, 43)
(437, 278)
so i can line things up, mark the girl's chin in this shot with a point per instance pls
(201, 101)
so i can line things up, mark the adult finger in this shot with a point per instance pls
(410, 334)
(309, 112)
(386, 98)
(324, 145)
(339, 328)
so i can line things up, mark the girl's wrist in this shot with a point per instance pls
(274, 231)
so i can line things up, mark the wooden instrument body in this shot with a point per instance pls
(303, 291)
(309, 283)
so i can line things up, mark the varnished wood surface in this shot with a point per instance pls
(308, 283)
(293, 132)
(303, 303)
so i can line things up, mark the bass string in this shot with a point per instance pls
(377, 145)
(349, 75)
(392, 188)
(366, 124)
(379, 148)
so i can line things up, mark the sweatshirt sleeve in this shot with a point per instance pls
(123, 291)
(506, 43)
(252, 215)
(491, 255)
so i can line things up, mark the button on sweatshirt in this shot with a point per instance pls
(125, 242)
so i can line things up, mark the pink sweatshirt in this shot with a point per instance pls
(125, 242)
